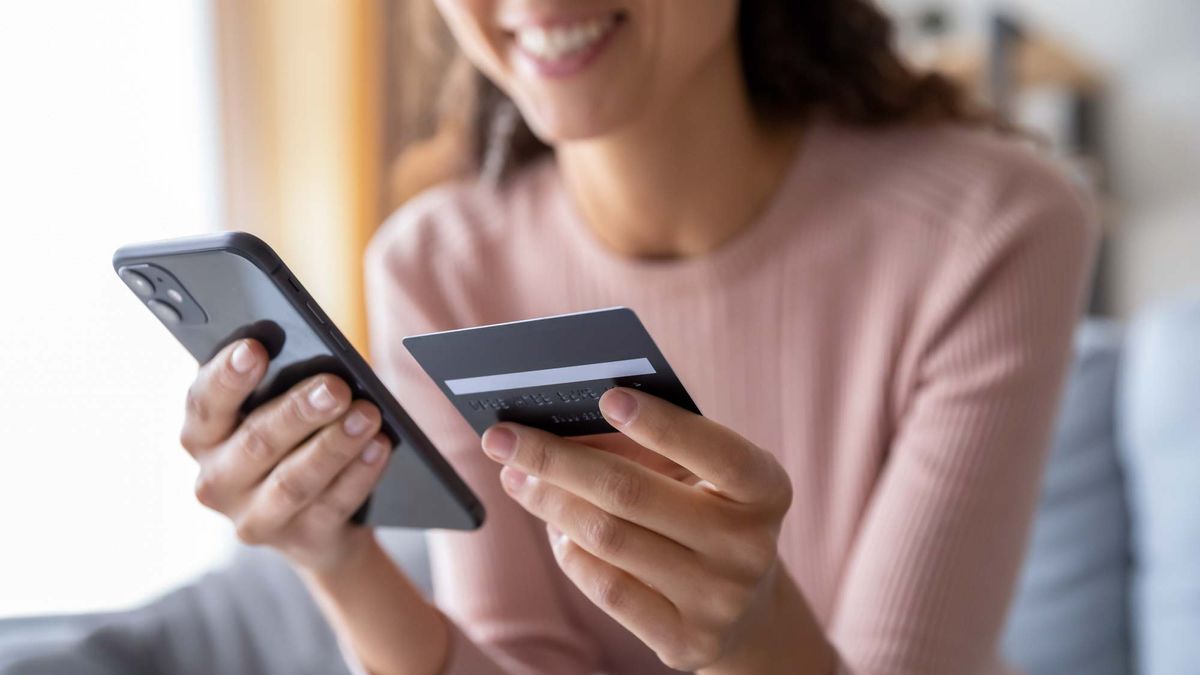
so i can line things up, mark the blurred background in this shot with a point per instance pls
(131, 120)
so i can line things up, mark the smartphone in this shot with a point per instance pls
(211, 290)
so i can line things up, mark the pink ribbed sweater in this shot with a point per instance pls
(893, 328)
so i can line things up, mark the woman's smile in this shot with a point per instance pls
(559, 46)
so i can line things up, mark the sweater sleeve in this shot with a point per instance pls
(498, 586)
(928, 582)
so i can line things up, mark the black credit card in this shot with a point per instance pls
(547, 373)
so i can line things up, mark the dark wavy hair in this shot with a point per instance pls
(798, 57)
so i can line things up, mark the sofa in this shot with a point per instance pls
(1111, 582)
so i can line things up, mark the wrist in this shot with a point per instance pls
(378, 614)
(780, 635)
(357, 552)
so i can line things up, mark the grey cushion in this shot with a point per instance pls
(1069, 615)
(253, 617)
(1160, 432)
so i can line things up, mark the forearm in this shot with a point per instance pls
(381, 615)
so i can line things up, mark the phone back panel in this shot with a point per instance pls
(245, 291)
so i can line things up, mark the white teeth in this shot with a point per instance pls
(565, 39)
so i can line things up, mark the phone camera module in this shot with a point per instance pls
(163, 294)
(165, 313)
(140, 284)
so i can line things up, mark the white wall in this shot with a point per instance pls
(107, 135)
(1150, 50)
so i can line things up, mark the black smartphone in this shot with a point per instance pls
(213, 289)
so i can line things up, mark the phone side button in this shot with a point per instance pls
(312, 309)
(337, 338)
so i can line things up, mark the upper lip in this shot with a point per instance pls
(516, 20)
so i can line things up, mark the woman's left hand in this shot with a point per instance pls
(678, 546)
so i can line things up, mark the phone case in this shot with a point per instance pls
(213, 289)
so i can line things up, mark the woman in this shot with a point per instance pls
(868, 292)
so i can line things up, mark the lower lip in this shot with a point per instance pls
(573, 63)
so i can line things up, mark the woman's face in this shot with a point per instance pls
(582, 69)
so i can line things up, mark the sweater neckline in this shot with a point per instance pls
(744, 250)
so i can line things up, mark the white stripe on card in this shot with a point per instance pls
(550, 376)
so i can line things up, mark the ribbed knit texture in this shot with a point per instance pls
(894, 328)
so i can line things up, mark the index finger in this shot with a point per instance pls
(220, 387)
(714, 453)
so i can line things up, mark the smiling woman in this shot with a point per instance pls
(869, 290)
(868, 287)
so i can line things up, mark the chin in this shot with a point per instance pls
(555, 124)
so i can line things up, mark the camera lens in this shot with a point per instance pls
(164, 312)
(140, 284)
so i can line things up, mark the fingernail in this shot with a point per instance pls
(618, 406)
(321, 398)
(374, 451)
(356, 423)
(242, 358)
(500, 443)
(513, 479)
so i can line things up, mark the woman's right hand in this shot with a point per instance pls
(292, 472)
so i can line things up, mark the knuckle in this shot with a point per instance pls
(568, 562)
(340, 507)
(249, 532)
(335, 450)
(621, 488)
(188, 440)
(206, 489)
(686, 653)
(657, 429)
(538, 500)
(326, 509)
(195, 405)
(602, 534)
(675, 660)
(611, 593)
(290, 488)
(538, 455)
(340, 451)
(785, 494)
(703, 649)
(779, 485)
(343, 503)
(726, 603)
(254, 444)
(757, 555)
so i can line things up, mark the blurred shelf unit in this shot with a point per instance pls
(1041, 86)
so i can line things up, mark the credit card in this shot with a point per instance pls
(547, 373)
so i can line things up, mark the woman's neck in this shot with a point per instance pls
(682, 181)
